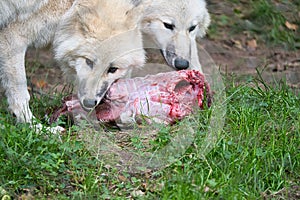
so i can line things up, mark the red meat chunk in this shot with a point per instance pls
(164, 98)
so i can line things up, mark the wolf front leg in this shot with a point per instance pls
(13, 76)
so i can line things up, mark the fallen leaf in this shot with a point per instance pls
(122, 178)
(145, 185)
(252, 45)
(291, 26)
(40, 83)
(237, 44)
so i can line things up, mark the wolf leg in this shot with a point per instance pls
(13, 47)
(12, 74)
(13, 77)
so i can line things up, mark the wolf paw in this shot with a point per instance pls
(38, 127)
(54, 130)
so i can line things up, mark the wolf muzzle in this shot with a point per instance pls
(174, 60)
(89, 103)
(181, 64)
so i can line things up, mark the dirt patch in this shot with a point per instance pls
(43, 72)
(293, 193)
(275, 64)
(237, 50)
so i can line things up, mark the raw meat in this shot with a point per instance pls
(164, 98)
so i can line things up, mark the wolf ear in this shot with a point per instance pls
(86, 14)
(136, 2)
(203, 24)
(135, 13)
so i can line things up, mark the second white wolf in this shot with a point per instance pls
(172, 27)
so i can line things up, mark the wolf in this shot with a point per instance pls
(172, 27)
(94, 41)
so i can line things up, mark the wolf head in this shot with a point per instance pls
(98, 41)
(173, 27)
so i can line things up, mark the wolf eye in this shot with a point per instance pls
(89, 63)
(192, 28)
(112, 70)
(169, 26)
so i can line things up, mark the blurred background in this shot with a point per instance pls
(263, 35)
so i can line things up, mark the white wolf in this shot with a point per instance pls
(172, 26)
(96, 40)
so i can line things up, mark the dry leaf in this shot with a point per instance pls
(122, 178)
(290, 26)
(39, 83)
(237, 44)
(252, 45)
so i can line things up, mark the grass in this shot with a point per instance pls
(256, 155)
(264, 20)
(269, 21)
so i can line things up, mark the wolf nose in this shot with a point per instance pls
(89, 103)
(181, 64)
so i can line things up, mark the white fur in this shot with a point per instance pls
(183, 14)
(103, 31)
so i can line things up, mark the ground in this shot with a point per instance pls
(243, 52)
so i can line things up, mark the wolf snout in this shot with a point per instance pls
(181, 63)
(89, 103)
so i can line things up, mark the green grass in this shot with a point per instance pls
(256, 155)
(263, 20)
(269, 21)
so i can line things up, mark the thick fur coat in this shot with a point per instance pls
(172, 27)
(97, 41)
